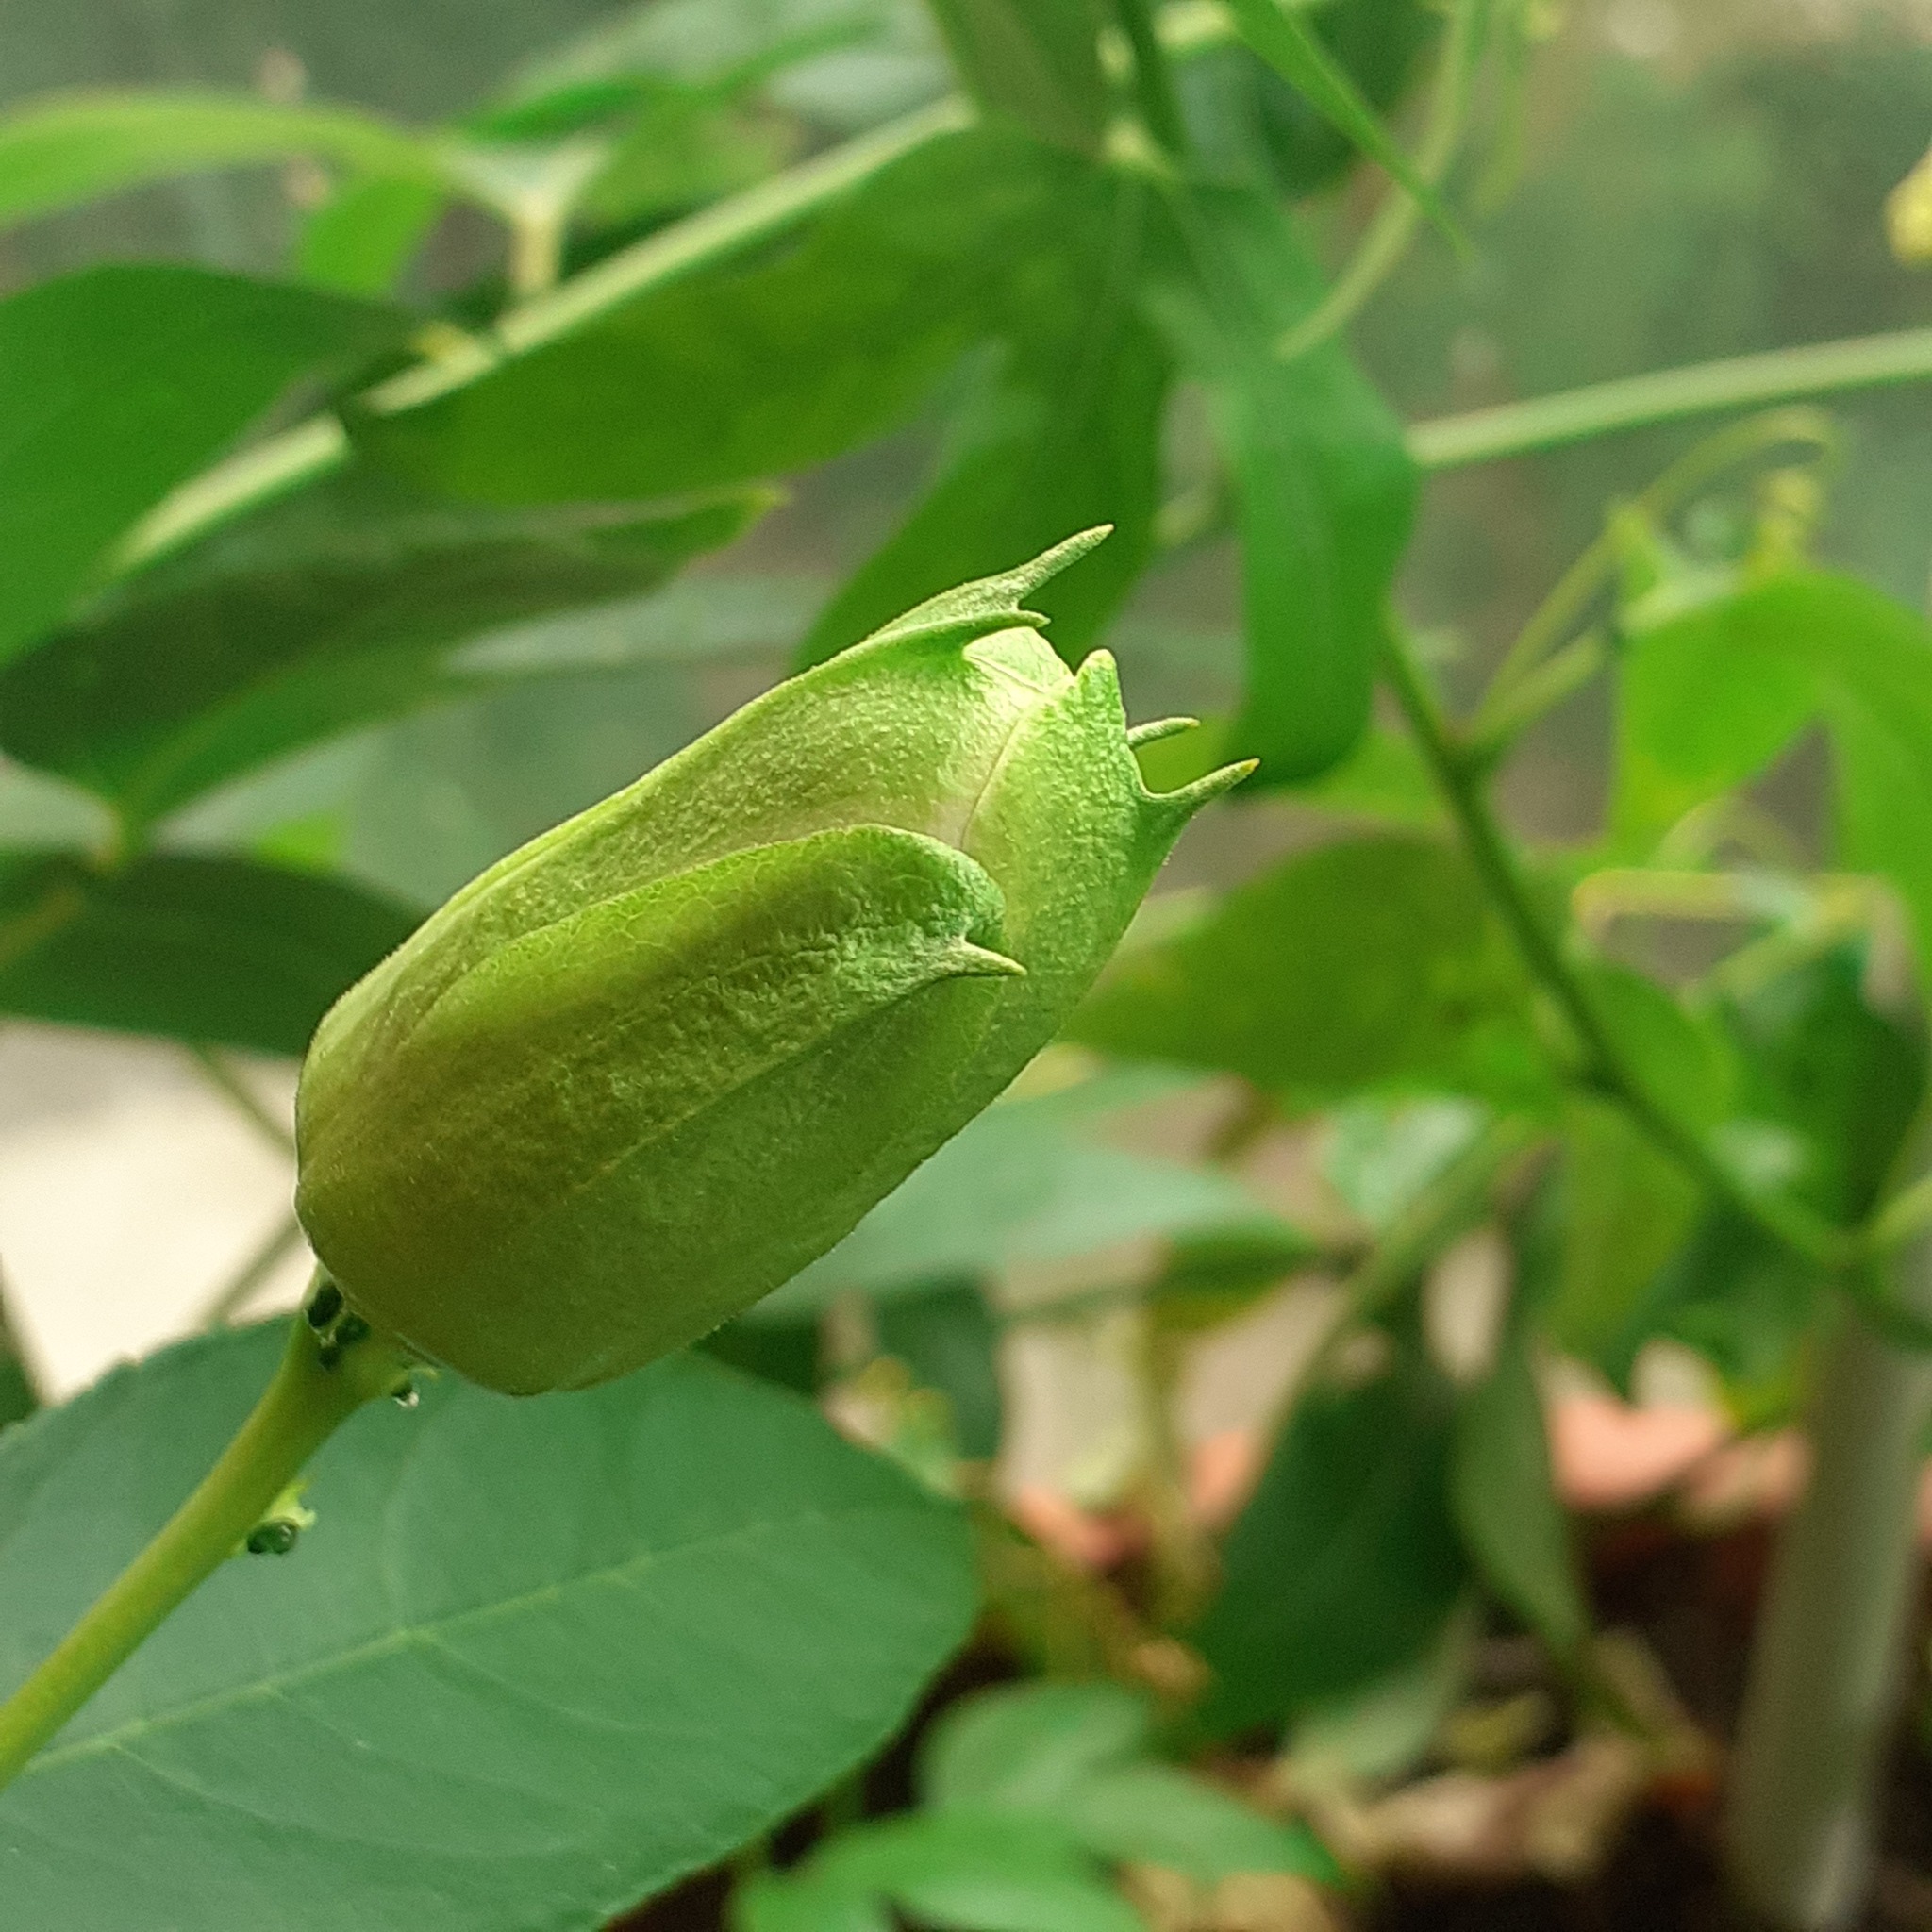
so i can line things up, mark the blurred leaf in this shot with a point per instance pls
(218, 950)
(59, 149)
(1505, 1502)
(1158, 1814)
(438, 797)
(118, 382)
(1368, 961)
(1079, 1755)
(1346, 1560)
(1025, 1747)
(183, 680)
(1283, 36)
(1028, 1181)
(974, 1874)
(1694, 721)
(1622, 1209)
(362, 238)
(1248, 125)
(1826, 1053)
(1067, 435)
(1381, 1156)
(1749, 661)
(786, 1353)
(1385, 1729)
(1322, 479)
(1678, 1056)
(949, 1340)
(1038, 60)
(758, 366)
(734, 1611)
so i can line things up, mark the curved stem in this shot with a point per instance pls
(1603, 1067)
(314, 1390)
(1579, 586)
(1669, 396)
(1400, 213)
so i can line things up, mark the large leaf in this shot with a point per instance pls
(1369, 961)
(535, 1659)
(1067, 435)
(1322, 478)
(1028, 1181)
(178, 685)
(65, 148)
(117, 382)
(1038, 60)
(1346, 1562)
(218, 950)
(754, 368)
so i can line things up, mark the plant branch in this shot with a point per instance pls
(1670, 395)
(1459, 778)
(282, 1240)
(314, 1390)
(1398, 216)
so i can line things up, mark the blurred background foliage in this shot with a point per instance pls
(1675, 183)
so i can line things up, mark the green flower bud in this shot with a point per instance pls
(643, 1070)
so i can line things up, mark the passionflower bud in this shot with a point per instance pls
(640, 1071)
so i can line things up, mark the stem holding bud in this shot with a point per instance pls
(323, 1377)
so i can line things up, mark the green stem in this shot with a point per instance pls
(1828, 1659)
(315, 448)
(312, 1395)
(1669, 396)
(1586, 579)
(1396, 221)
(1460, 781)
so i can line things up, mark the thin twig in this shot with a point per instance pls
(216, 1071)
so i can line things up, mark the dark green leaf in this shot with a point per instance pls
(1835, 1055)
(1322, 477)
(1247, 123)
(1346, 1560)
(949, 1340)
(760, 366)
(219, 950)
(1682, 1060)
(786, 1353)
(1284, 37)
(69, 148)
(183, 681)
(536, 1658)
(1369, 962)
(1622, 1208)
(1038, 60)
(116, 384)
(1506, 1499)
(1065, 435)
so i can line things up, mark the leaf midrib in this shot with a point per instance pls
(396, 1642)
